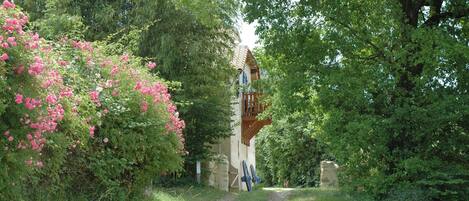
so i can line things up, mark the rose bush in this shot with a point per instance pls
(77, 123)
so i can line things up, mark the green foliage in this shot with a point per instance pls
(96, 139)
(384, 83)
(286, 152)
(190, 40)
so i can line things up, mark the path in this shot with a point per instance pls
(228, 197)
(279, 194)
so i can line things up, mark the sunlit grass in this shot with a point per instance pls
(199, 193)
(190, 193)
(317, 194)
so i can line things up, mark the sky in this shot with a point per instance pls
(248, 36)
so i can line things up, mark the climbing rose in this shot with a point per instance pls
(125, 58)
(92, 128)
(37, 67)
(51, 99)
(7, 4)
(12, 41)
(4, 57)
(19, 69)
(144, 106)
(10, 138)
(94, 95)
(19, 99)
(151, 65)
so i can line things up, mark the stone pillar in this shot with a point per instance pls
(329, 174)
(223, 177)
(218, 173)
(212, 173)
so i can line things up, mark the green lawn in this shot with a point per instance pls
(317, 194)
(190, 193)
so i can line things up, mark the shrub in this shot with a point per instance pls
(78, 123)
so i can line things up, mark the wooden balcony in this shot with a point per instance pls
(251, 107)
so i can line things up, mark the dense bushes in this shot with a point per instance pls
(78, 124)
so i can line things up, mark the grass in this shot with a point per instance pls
(255, 195)
(317, 194)
(201, 193)
(191, 193)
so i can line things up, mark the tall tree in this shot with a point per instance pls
(386, 83)
(190, 40)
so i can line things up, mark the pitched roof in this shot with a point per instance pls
(243, 55)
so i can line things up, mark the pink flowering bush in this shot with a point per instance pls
(77, 123)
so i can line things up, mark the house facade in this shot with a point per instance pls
(226, 171)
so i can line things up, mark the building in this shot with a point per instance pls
(226, 170)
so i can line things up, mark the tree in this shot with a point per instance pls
(190, 40)
(385, 82)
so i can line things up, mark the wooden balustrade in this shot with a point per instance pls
(251, 105)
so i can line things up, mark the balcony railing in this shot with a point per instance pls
(251, 105)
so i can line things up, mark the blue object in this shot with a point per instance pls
(244, 79)
(255, 178)
(246, 177)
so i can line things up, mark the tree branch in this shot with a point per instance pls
(437, 18)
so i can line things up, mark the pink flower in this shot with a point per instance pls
(138, 86)
(10, 138)
(37, 67)
(4, 57)
(94, 95)
(12, 41)
(125, 58)
(35, 37)
(151, 65)
(19, 69)
(31, 103)
(28, 104)
(5, 45)
(63, 63)
(51, 99)
(67, 92)
(6, 133)
(92, 129)
(144, 106)
(7, 4)
(39, 164)
(19, 99)
(114, 70)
